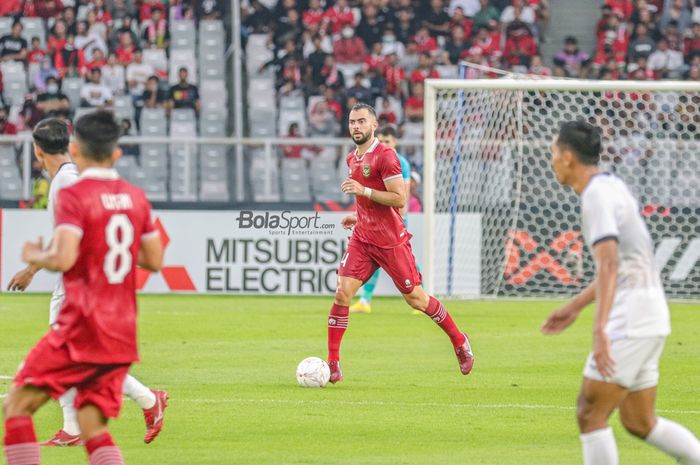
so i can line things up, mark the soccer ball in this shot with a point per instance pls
(313, 372)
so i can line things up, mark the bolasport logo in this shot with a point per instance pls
(285, 223)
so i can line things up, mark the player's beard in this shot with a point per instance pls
(365, 137)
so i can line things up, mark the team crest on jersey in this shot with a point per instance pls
(365, 171)
(408, 283)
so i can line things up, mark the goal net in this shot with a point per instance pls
(496, 216)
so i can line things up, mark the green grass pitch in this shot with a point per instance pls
(228, 364)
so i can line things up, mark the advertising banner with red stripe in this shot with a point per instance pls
(247, 252)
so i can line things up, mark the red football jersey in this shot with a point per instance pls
(377, 224)
(98, 316)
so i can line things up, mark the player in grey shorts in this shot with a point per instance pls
(631, 316)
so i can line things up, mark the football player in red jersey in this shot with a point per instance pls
(103, 229)
(380, 240)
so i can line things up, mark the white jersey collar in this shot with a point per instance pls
(109, 174)
(369, 150)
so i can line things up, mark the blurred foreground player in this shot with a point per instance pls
(51, 137)
(380, 240)
(102, 230)
(631, 318)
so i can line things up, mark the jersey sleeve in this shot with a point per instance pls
(405, 167)
(68, 213)
(389, 166)
(598, 216)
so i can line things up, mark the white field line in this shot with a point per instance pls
(381, 403)
(7, 377)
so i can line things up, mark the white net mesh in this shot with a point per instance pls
(492, 158)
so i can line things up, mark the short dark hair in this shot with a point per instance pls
(97, 134)
(52, 136)
(582, 138)
(388, 130)
(364, 106)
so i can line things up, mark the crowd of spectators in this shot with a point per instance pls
(394, 45)
(639, 39)
(103, 43)
(399, 43)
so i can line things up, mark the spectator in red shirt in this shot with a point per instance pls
(10, 7)
(98, 59)
(57, 39)
(425, 69)
(692, 44)
(386, 113)
(375, 60)
(6, 128)
(460, 21)
(350, 48)
(626, 7)
(293, 151)
(338, 16)
(614, 41)
(313, 16)
(36, 54)
(537, 68)
(102, 13)
(146, 7)
(125, 51)
(70, 61)
(47, 8)
(488, 41)
(395, 76)
(425, 42)
(414, 103)
(520, 45)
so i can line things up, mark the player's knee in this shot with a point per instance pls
(343, 296)
(586, 415)
(639, 427)
(15, 405)
(418, 299)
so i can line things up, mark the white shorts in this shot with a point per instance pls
(56, 301)
(636, 363)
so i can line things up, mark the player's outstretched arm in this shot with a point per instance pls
(565, 316)
(151, 253)
(61, 254)
(393, 197)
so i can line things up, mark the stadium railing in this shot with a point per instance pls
(264, 152)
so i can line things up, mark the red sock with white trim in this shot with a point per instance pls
(337, 324)
(103, 451)
(21, 447)
(442, 318)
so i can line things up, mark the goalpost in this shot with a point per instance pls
(497, 222)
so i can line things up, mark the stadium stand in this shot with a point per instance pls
(306, 62)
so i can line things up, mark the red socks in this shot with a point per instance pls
(337, 324)
(443, 319)
(21, 447)
(103, 451)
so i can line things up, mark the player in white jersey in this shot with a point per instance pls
(51, 138)
(631, 317)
